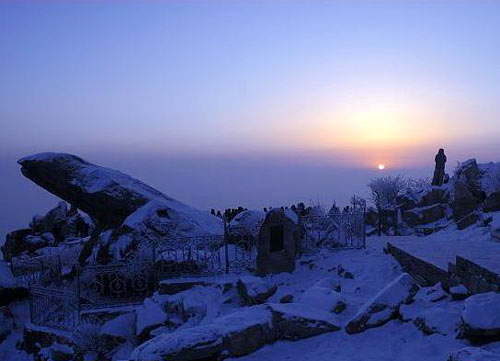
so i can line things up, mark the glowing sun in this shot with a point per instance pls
(381, 166)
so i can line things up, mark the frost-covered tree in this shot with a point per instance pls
(414, 185)
(385, 190)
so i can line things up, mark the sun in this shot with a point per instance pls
(381, 166)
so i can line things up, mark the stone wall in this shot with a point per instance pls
(476, 278)
(425, 273)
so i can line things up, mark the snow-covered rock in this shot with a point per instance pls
(323, 298)
(444, 319)
(149, 315)
(384, 306)
(481, 315)
(459, 292)
(236, 334)
(294, 321)
(134, 210)
(254, 290)
(249, 219)
(118, 330)
(61, 352)
(473, 354)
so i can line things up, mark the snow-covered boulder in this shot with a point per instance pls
(424, 215)
(481, 315)
(250, 219)
(459, 292)
(118, 330)
(149, 315)
(254, 290)
(473, 354)
(323, 298)
(444, 319)
(61, 352)
(236, 334)
(385, 305)
(294, 321)
(132, 209)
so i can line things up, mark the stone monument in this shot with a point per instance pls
(278, 241)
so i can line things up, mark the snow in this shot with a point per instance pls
(254, 285)
(153, 350)
(298, 310)
(248, 218)
(148, 315)
(321, 298)
(482, 311)
(490, 177)
(441, 248)
(396, 341)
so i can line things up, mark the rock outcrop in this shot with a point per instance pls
(254, 290)
(56, 227)
(115, 201)
(385, 305)
(238, 334)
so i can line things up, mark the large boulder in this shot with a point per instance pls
(385, 305)
(57, 226)
(236, 334)
(15, 243)
(149, 316)
(118, 331)
(295, 321)
(132, 209)
(473, 354)
(254, 290)
(481, 316)
(424, 215)
(433, 195)
(323, 298)
(467, 192)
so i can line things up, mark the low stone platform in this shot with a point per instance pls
(471, 261)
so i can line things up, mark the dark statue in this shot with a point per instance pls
(439, 170)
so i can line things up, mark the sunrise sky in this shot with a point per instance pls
(163, 89)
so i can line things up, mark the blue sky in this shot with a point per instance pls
(334, 85)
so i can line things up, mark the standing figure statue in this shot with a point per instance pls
(439, 170)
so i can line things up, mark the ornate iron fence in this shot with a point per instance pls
(55, 308)
(334, 230)
(57, 302)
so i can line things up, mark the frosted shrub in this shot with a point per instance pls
(385, 190)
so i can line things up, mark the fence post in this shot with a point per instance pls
(78, 298)
(226, 250)
(364, 229)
